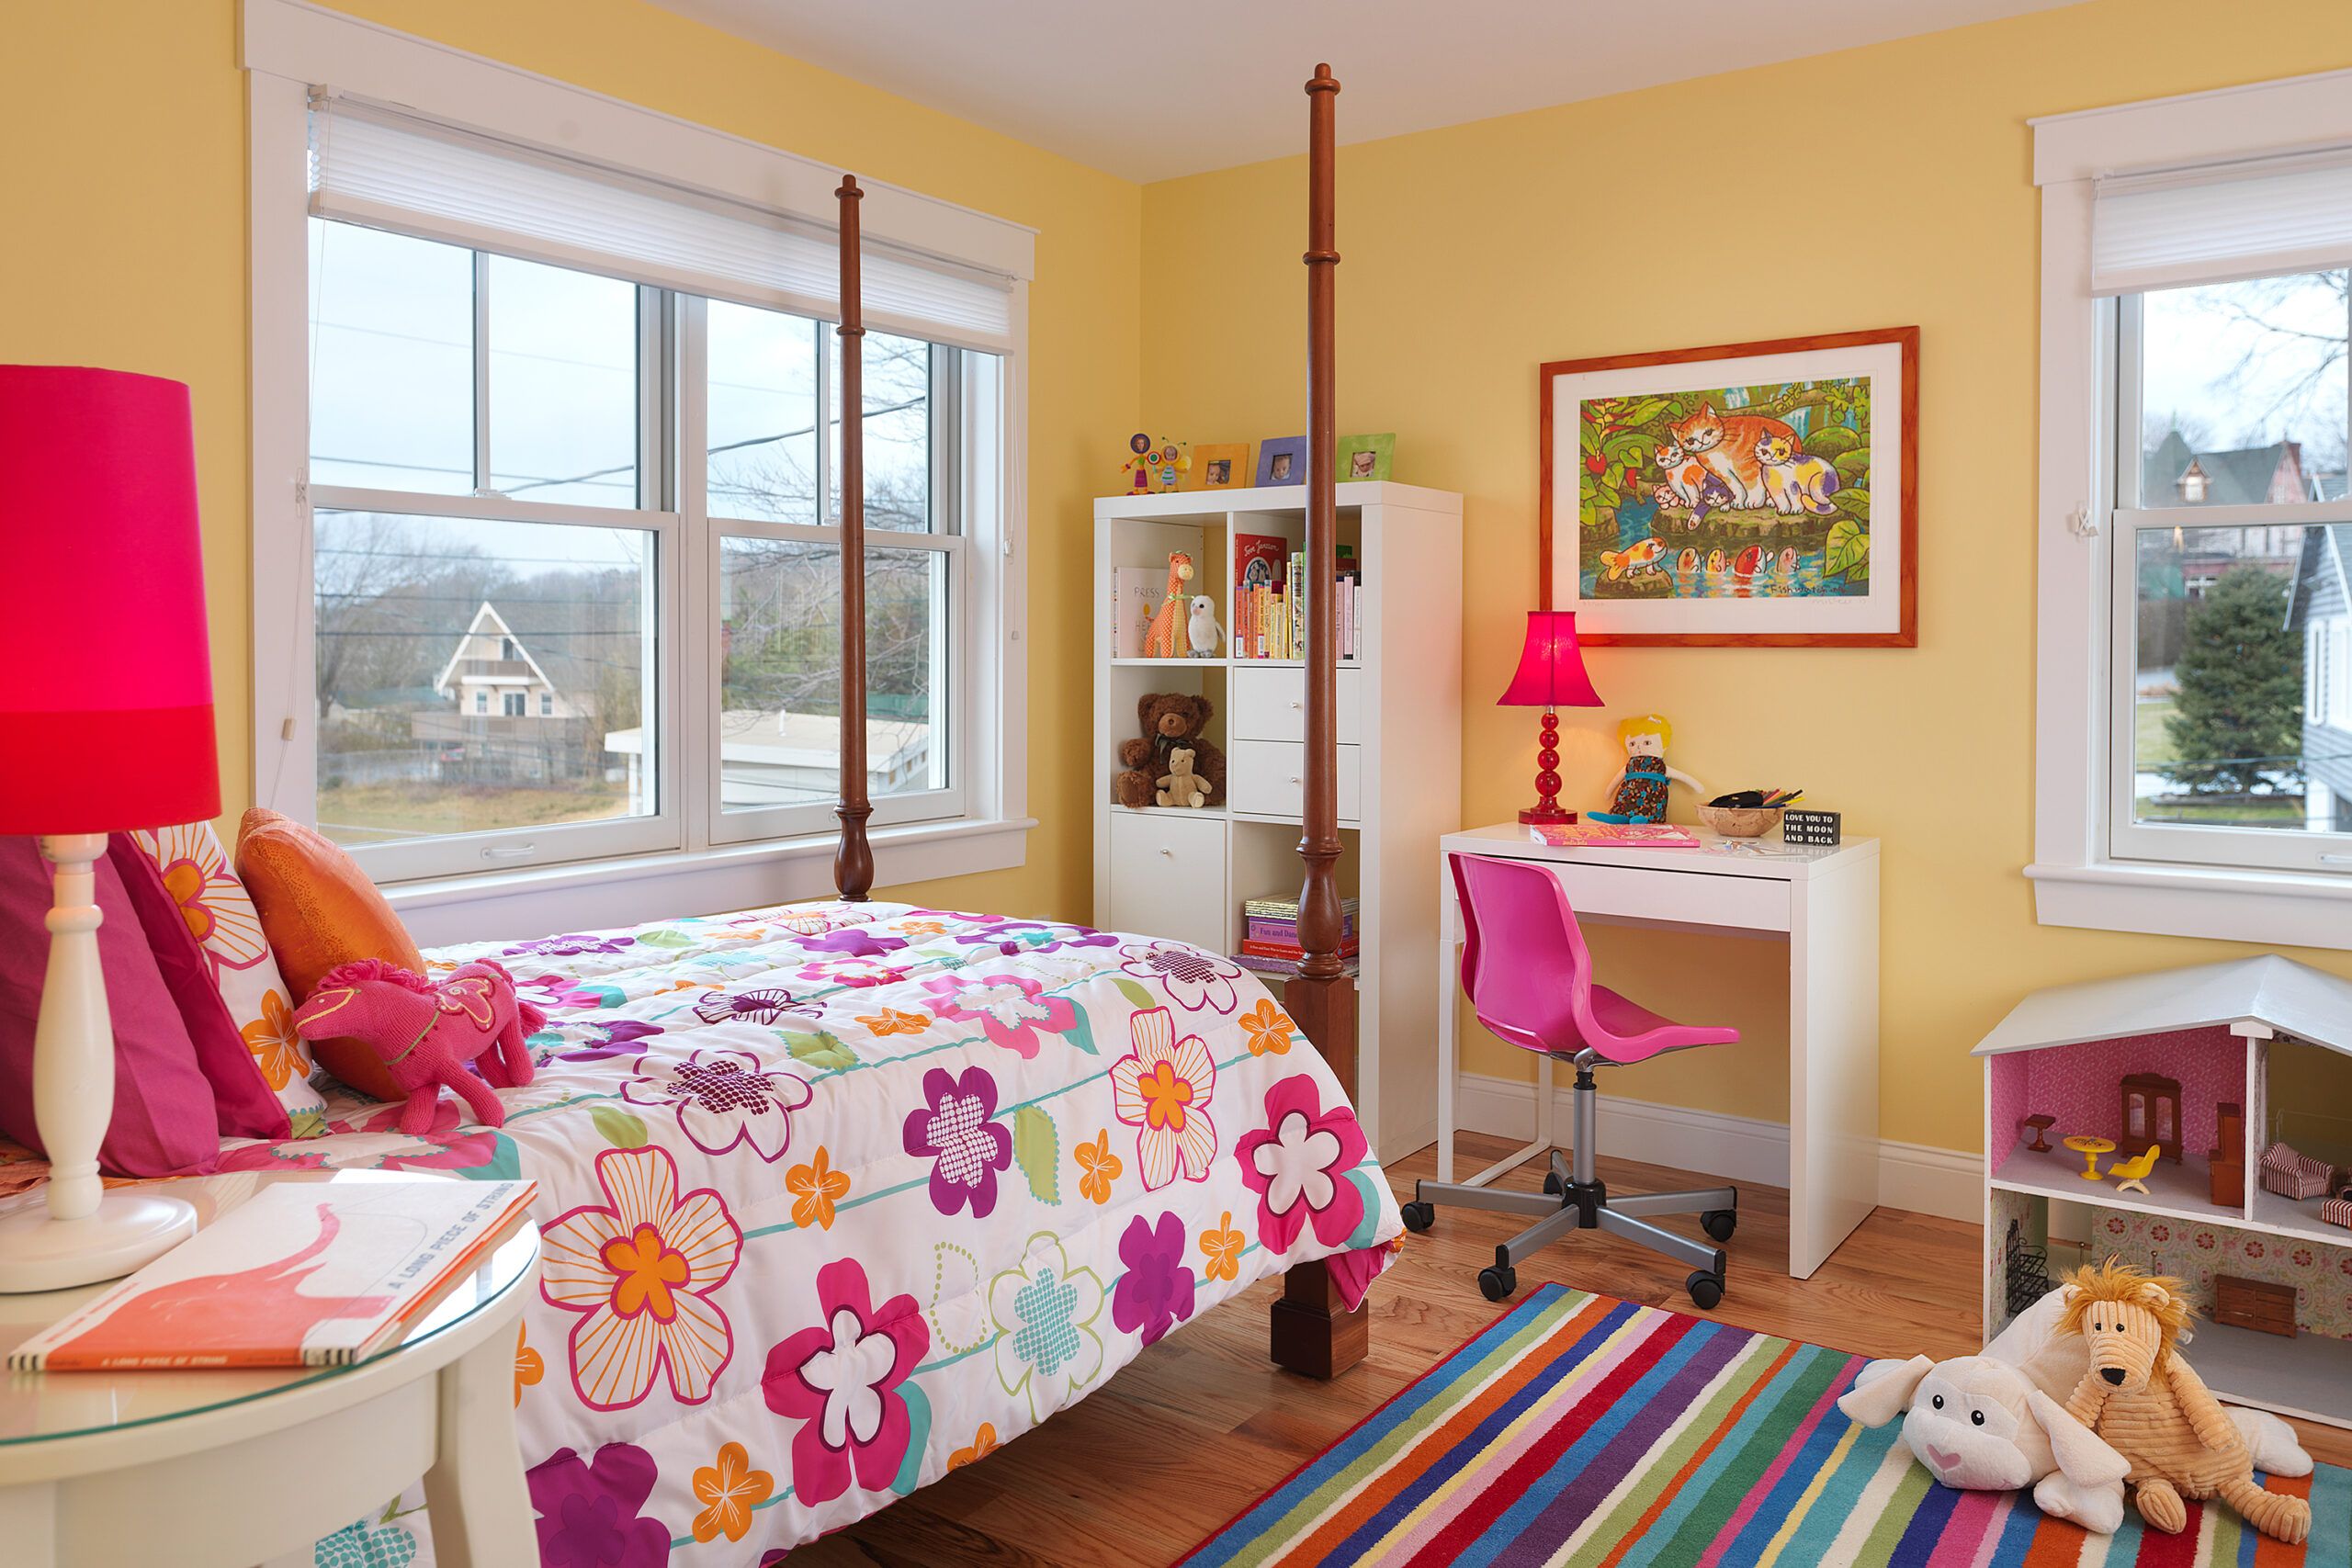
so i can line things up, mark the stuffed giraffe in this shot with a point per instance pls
(2148, 1404)
(1162, 638)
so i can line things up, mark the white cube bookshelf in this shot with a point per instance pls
(1185, 872)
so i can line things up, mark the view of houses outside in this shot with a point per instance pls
(475, 674)
(2239, 629)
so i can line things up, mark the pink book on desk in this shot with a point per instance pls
(1616, 835)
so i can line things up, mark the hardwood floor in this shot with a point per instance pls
(1202, 1424)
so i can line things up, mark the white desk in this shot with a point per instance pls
(1824, 903)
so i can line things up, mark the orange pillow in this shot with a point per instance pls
(319, 910)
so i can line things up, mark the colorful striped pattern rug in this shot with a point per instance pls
(1582, 1432)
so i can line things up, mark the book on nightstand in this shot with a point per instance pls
(302, 1274)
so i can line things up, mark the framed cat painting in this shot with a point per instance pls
(1762, 494)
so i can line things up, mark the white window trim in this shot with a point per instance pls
(2076, 881)
(286, 47)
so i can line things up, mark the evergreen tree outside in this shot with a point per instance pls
(2239, 719)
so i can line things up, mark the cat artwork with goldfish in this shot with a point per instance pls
(1726, 492)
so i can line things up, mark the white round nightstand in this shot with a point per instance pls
(224, 1469)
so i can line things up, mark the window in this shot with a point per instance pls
(2195, 747)
(533, 545)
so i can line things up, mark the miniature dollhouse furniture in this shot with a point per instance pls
(2151, 1114)
(2215, 1039)
(2292, 1175)
(1183, 872)
(1527, 972)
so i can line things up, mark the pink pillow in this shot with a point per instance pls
(243, 1102)
(163, 1117)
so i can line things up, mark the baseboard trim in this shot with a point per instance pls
(1914, 1176)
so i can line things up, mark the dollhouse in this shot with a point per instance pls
(2199, 1123)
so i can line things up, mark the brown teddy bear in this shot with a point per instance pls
(1169, 719)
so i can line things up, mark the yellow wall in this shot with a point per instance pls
(126, 238)
(1878, 187)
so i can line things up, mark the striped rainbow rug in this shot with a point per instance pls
(1582, 1432)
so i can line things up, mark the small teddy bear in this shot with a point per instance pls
(1168, 719)
(1179, 786)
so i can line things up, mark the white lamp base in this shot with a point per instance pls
(129, 1229)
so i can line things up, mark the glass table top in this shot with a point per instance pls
(42, 1406)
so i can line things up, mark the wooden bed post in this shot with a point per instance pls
(1312, 1333)
(853, 860)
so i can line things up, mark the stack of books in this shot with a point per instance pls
(1269, 600)
(1270, 934)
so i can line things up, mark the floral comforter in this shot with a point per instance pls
(837, 1197)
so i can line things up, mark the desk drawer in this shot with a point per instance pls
(1267, 778)
(1699, 899)
(1270, 705)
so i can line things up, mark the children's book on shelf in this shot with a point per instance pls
(302, 1274)
(1260, 963)
(1617, 835)
(1135, 597)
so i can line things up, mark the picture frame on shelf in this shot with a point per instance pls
(1366, 456)
(1222, 465)
(1756, 494)
(1281, 461)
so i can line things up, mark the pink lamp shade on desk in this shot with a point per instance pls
(1551, 676)
(105, 724)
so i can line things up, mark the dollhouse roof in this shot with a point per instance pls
(2287, 998)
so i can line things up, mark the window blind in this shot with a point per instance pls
(378, 166)
(2253, 218)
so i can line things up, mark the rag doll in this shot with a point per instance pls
(426, 1034)
(2139, 1395)
(1640, 792)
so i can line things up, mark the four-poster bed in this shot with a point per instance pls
(837, 1195)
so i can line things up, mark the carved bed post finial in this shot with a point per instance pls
(853, 860)
(1312, 1332)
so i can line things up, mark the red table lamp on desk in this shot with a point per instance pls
(106, 723)
(1551, 676)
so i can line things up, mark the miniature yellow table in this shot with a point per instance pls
(2090, 1149)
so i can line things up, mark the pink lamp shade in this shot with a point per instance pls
(1551, 676)
(105, 676)
(1551, 666)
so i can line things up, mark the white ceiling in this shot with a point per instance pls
(1151, 91)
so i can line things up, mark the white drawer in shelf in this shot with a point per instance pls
(1270, 705)
(1167, 876)
(1268, 778)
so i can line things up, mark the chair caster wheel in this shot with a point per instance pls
(1495, 1284)
(1719, 1223)
(1419, 1216)
(1552, 1187)
(1706, 1290)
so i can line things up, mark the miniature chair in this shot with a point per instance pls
(1528, 976)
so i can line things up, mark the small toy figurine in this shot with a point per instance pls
(1639, 795)
(1179, 786)
(1154, 468)
(1201, 630)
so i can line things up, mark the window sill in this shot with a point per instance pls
(583, 894)
(2276, 908)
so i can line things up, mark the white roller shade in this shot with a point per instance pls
(2253, 217)
(380, 168)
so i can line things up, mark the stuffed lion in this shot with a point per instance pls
(2152, 1408)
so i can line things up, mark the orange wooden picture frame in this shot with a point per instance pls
(1906, 632)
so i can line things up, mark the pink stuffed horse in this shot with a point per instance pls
(426, 1034)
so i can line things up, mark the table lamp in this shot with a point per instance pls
(105, 721)
(1551, 676)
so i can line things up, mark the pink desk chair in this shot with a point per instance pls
(1528, 976)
